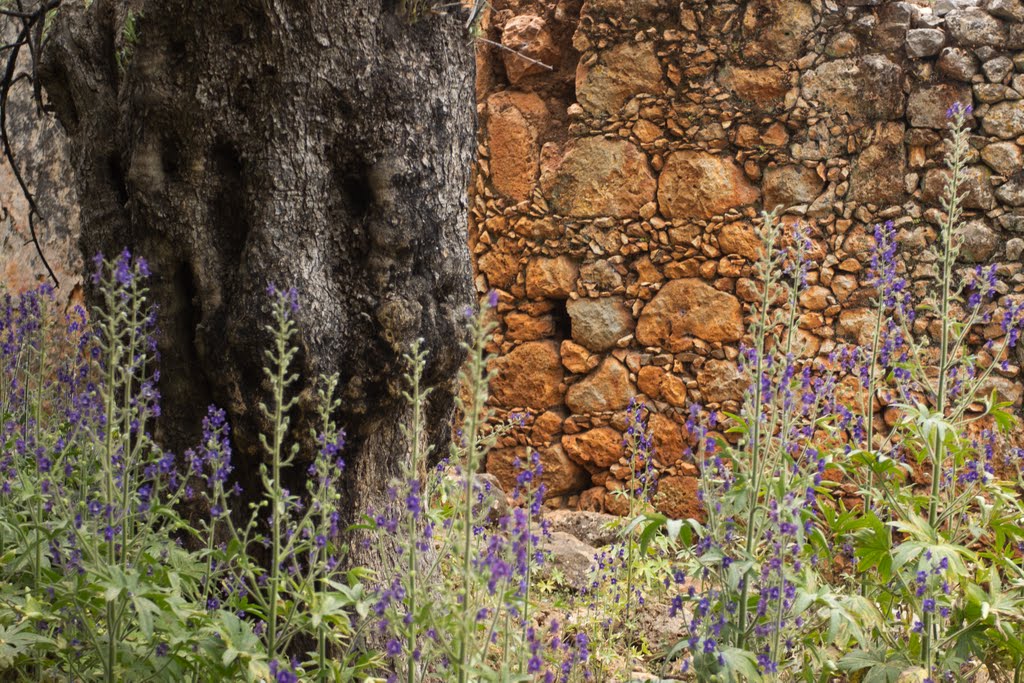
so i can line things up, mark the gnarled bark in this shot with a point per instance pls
(315, 144)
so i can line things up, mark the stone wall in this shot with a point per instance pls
(618, 195)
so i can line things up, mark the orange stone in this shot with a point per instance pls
(576, 358)
(648, 381)
(523, 327)
(512, 122)
(775, 135)
(877, 174)
(668, 438)
(500, 268)
(529, 376)
(615, 500)
(561, 475)
(598, 448)
(619, 74)
(677, 497)
(607, 388)
(815, 298)
(701, 185)
(764, 88)
(673, 389)
(551, 278)
(593, 499)
(721, 380)
(599, 177)
(689, 307)
(527, 41)
(741, 239)
(790, 185)
(598, 324)
(857, 324)
(546, 427)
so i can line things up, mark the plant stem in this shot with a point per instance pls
(466, 556)
(476, 370)
(526, 597)
(38, 565)
(321, 635)
(938, 449)
(629, 543)
(869, 412)
(417, 429)
(276, 499)
(755, 438)
(126, 485)
(113, 362)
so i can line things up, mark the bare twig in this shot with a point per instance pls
(475, 12)
(517, 53)
(16, 14)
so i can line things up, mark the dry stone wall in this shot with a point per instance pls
(627, 148)
(618, 194)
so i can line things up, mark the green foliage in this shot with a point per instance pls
(459, 604)
(129, 37)
(103, 577)
(413, 10)
(784, 579)
(120, 562)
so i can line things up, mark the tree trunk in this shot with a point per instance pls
(308, 143)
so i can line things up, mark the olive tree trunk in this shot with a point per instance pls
(316, 144)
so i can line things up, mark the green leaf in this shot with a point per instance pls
(15, 641)
(112, 593)
(633, 524)
(739, 424)
(972, 641)
(1004, 419)
(906, 553)
(651, 530)
(873, 548)
(881, 667)
(673, 527)
(804, 600)
(741, 662)
(145, 610)
(917, 527)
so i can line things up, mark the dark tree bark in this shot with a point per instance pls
(319, 144)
